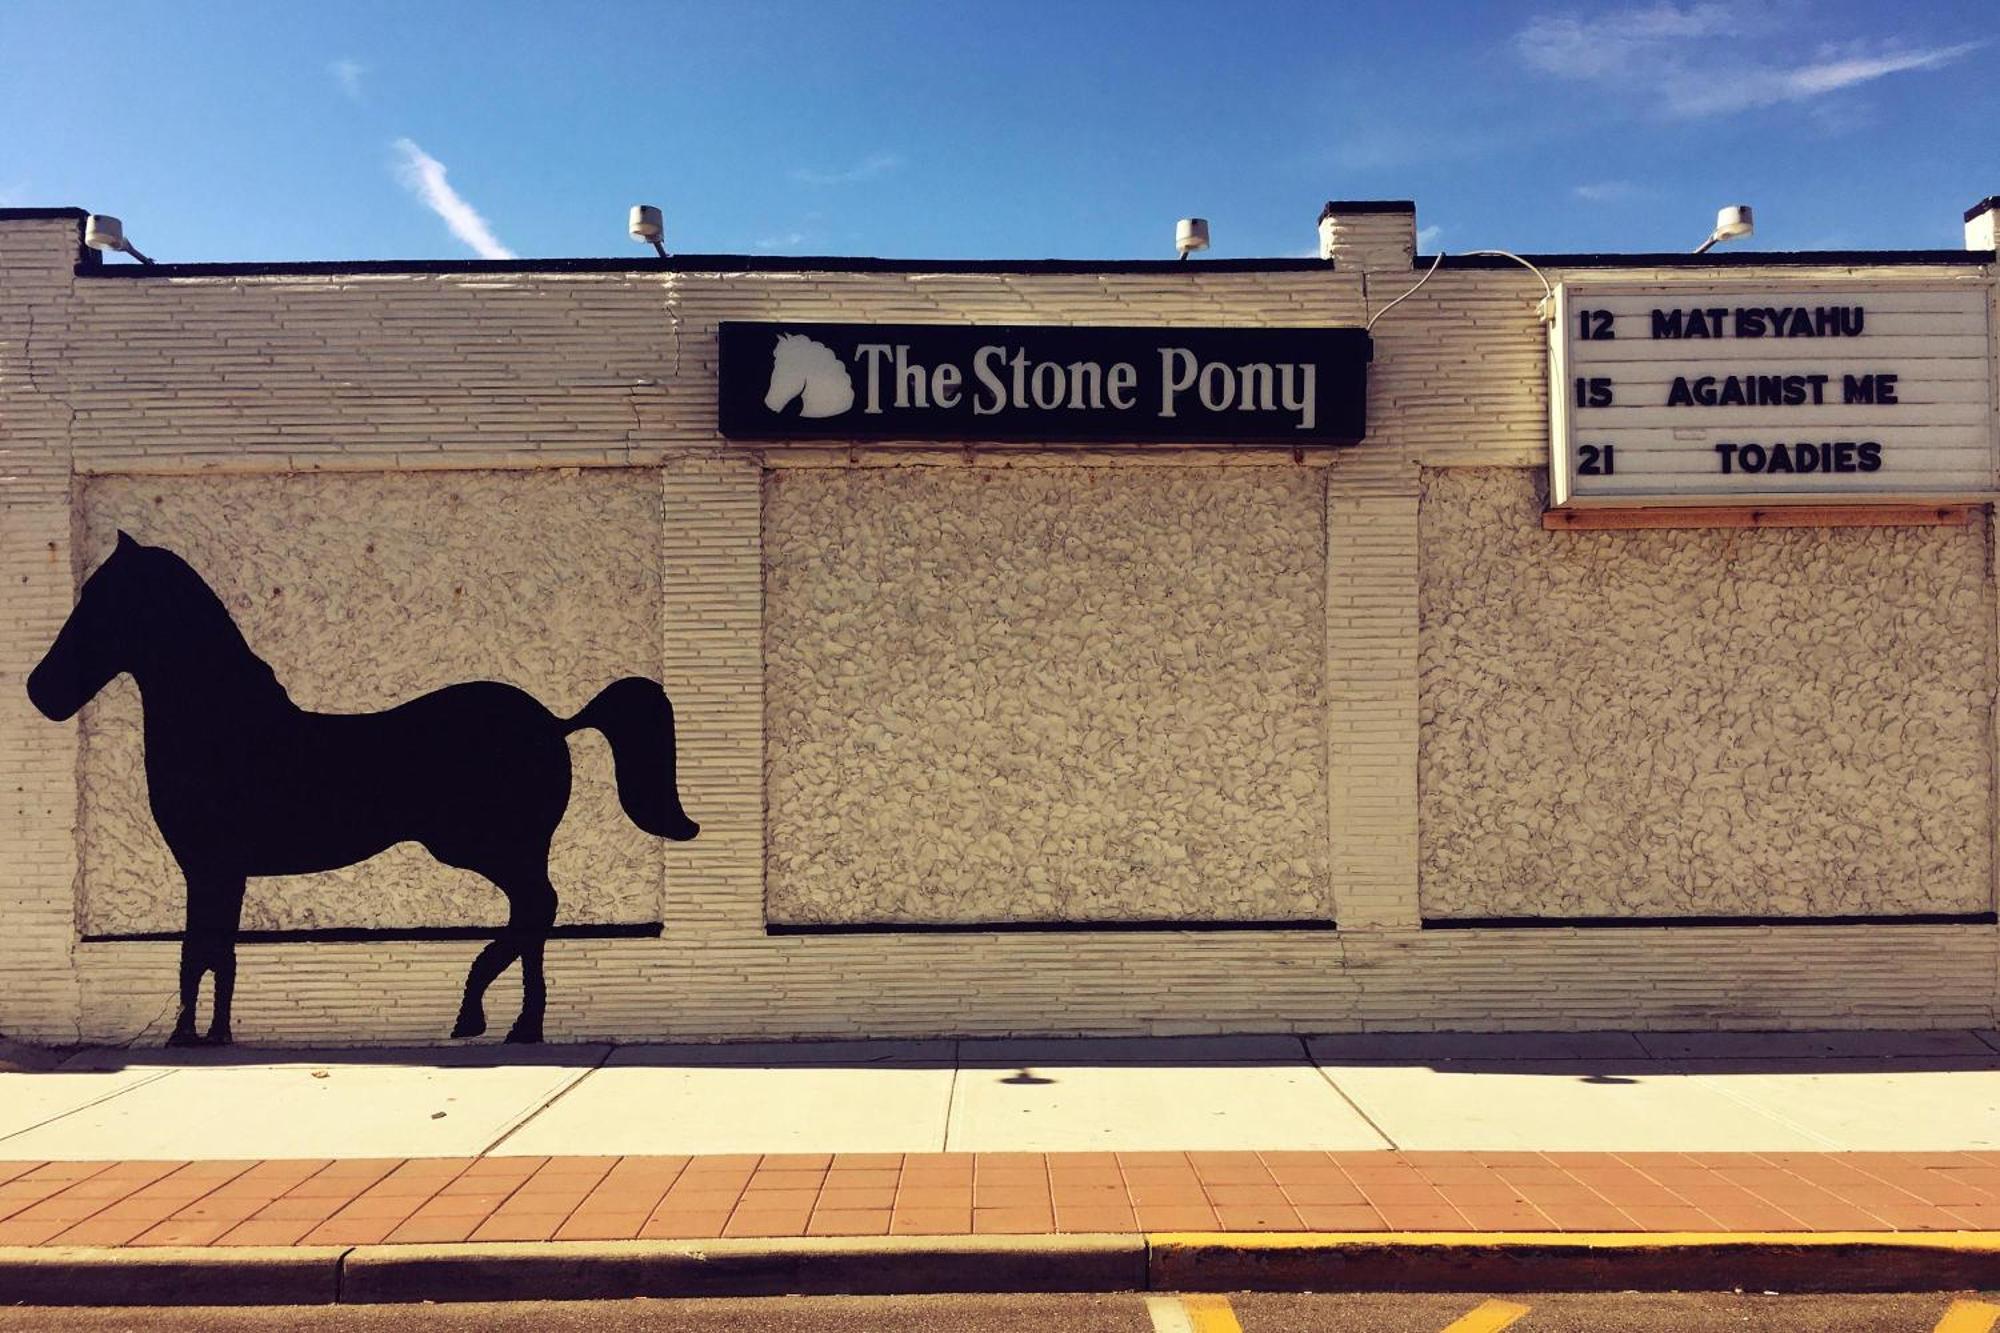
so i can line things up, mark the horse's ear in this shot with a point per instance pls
(125, 542)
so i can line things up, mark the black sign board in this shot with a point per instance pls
(1288, 386)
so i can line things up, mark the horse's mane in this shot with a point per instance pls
(196, 613)
(809, 350)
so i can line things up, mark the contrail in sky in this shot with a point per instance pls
(423, 175)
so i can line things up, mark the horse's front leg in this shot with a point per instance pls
(214, 915)
(223, 962)
(184, 1033)
(224, 925)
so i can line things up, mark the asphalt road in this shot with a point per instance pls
(1071, 1314)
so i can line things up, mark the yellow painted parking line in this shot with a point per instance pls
(1969, 1317)
(1487, 1318)
(1193, 1314)
(1211, 1314)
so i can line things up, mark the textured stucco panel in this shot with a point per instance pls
(1761, 722)
(362, 591)
(1061, 693)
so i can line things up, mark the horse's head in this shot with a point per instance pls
(788, 372)
(802, 365)
(97, 641)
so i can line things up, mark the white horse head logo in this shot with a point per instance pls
(798, 364)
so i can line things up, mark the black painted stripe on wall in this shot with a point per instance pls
(636, 930)
(1629, 922)
(654, 930)
(1036, 927)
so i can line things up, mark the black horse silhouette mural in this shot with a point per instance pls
(244, 782)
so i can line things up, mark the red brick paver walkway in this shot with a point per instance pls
(319, 1202)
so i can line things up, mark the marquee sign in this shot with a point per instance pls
(1771, 392)
(908, 382)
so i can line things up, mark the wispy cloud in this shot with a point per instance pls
(868, 168)
(1690, 59)
(1393, 147)
(1609, 192)
(423, 176)
(347, 77)
(1426, 235)
(789, 240)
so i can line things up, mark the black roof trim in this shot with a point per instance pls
(40, 214)
(1338, 206)
(1026, 267)
(1986, 205)
(1734, 259)
(711, 264)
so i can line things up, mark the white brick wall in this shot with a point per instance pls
(38, 761)
(375, 371)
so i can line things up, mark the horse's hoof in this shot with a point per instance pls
(522, 1034)
(218, 1037)
(469, 1025)
(187, 1038)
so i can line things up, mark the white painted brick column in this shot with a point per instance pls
(714, 672)
(38, 866)
(1981, 232)
(1358, 235)
(1371, 652)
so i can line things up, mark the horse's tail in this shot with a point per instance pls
(637, 719)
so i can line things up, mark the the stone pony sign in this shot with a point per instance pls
(1043, 384)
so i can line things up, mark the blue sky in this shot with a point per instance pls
(224, 131)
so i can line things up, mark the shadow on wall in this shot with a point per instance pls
(244, 782)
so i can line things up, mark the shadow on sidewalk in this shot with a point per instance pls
(1592, 1056)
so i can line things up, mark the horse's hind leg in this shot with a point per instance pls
(490, 963)
(534, 913)
(531, 901)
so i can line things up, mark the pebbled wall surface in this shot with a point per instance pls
(1776, 722)
(1046, 693)
(363, 591)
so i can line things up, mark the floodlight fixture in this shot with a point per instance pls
(1731, 223)
(648, 228)
(101, 231)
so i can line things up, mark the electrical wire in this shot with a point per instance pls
(1370, 325)
(1547, 290)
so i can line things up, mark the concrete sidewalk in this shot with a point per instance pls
(1922, 1091)
(1575, 1161)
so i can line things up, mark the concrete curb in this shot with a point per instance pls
(1604, 1261)
(170, 1275)
(917, 1265)
(844, 1265)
